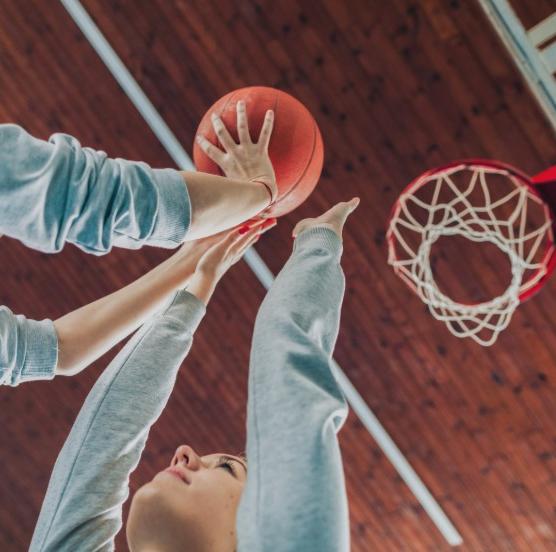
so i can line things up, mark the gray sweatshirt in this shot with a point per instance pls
(294, 498)
(56, 192)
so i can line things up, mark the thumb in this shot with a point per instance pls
(345, 208)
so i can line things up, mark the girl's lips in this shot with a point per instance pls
(177, 473)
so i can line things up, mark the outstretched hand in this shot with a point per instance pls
(246, 160)
(221, 253)
(230, 248)
(334, 218)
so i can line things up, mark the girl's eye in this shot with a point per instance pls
(227, 465)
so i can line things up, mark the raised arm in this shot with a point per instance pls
(32, 350)
(89, 482)
(85, 334)
(56, 191)
(295, 497)
(82, 509)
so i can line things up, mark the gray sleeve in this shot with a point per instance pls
(82, 509)
(56, 191)
(295, 497)
(28, 348)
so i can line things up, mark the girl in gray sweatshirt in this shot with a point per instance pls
(290, 494)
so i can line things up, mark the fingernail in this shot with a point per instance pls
(266, 228)
(245, 228)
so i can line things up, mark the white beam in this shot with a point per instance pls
(524, 54)
(548, 55)
(543, 31)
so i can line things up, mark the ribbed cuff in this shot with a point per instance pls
(174, 209)
(41, 353)
(186, 308)
(319, 236)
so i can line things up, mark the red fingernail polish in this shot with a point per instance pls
(244, 229)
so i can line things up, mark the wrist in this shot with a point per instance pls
(209, 275)
(202, 285)
(270, 190)
(178, 268)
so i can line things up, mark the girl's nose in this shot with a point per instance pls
(187, 456)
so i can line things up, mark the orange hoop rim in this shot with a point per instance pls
(548, 263)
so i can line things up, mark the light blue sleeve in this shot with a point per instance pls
(55, 191)
(295, 496)
(28, 348)
(82, 509)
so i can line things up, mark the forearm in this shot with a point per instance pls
(296, 408)
(219, 203)
(56, 191)
(87, 333)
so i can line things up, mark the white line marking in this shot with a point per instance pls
(265, 276)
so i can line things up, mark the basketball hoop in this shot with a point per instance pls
(483, 201)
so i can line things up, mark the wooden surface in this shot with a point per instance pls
(396, 87)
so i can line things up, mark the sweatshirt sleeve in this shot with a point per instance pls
(55, 191)
(295, 497)
(28, 348)
(82, 509)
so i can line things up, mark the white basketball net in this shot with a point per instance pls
(457, 216)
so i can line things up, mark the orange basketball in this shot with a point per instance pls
(295, 148)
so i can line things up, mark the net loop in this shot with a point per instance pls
(452, 209)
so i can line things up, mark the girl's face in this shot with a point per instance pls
(191, 505)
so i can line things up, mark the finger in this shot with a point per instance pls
(347, 207)
(251, 242)
(222, 132)
(266, 130)
(251, 224)
(267, 225)
(233, 245)
(230, 237)
(341, 210)
(353, 204)
(211, 151)
(241, 247)
(272, 221)
(242, 126)
(258, 230)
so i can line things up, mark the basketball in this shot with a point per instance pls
(295, 149)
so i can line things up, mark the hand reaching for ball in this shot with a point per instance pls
(218, 253)
(247, 160)
(334, 218)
